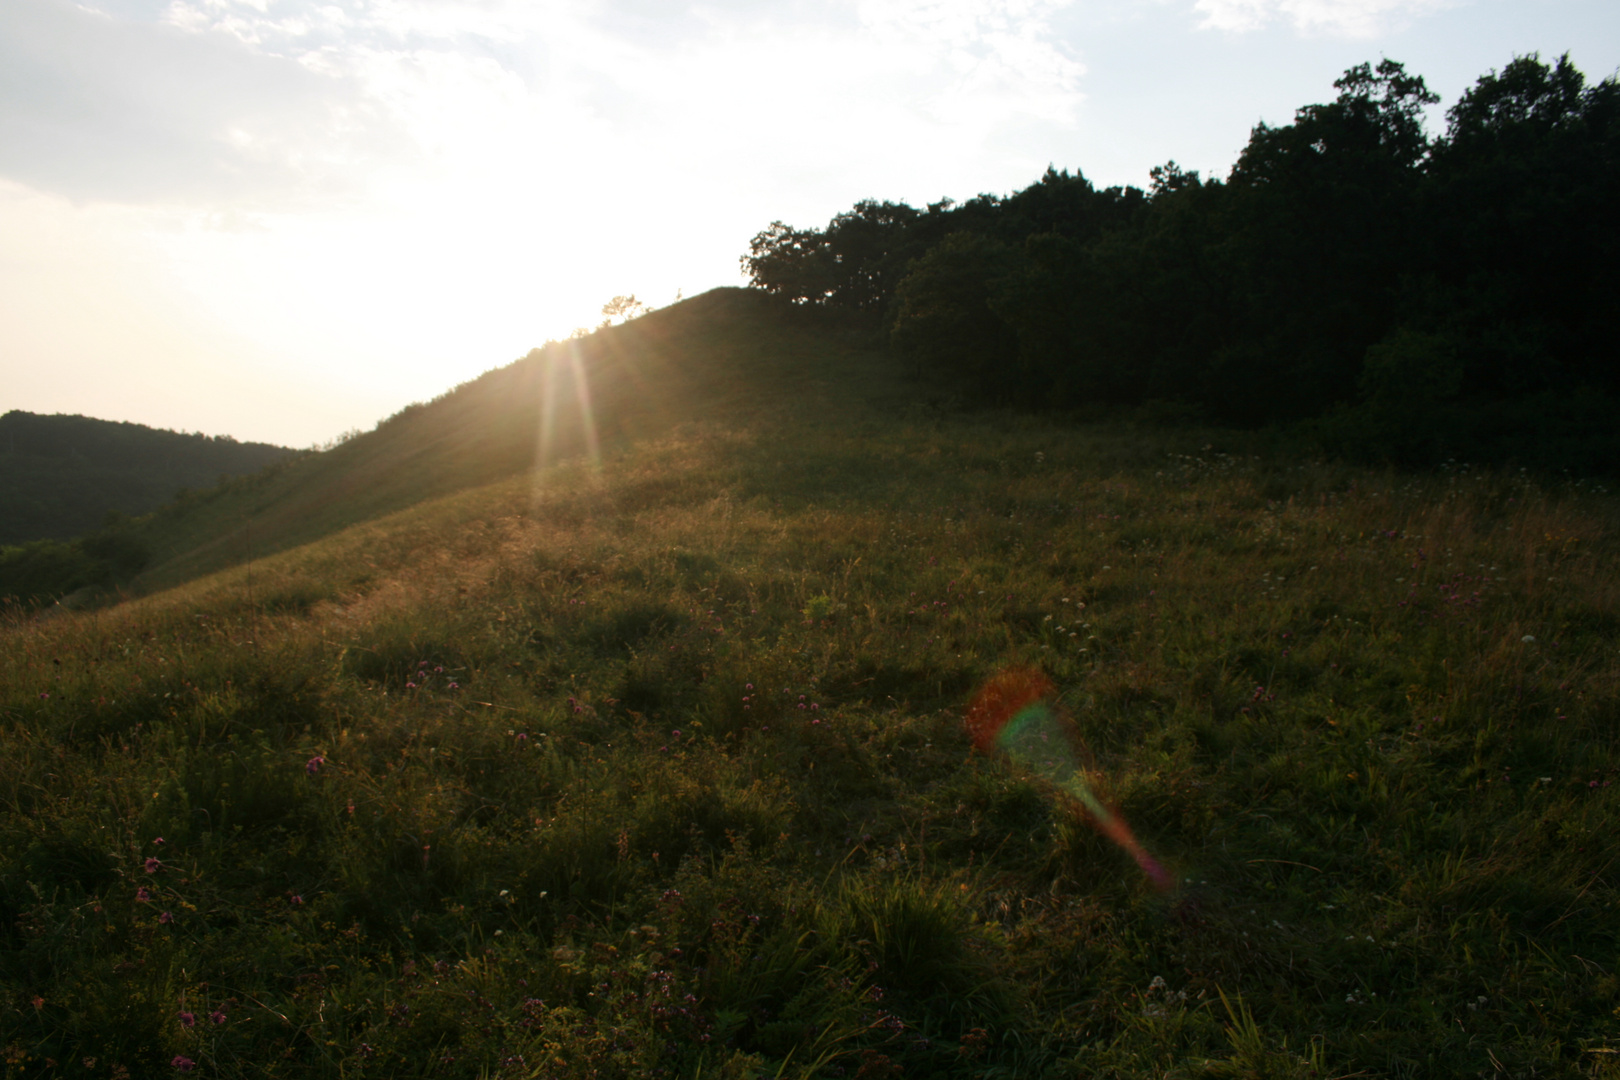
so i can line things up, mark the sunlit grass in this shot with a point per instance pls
(655, 766)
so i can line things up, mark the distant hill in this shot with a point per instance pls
(60, 475)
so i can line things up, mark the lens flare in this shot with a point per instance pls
(1011, 715)
(564, 364)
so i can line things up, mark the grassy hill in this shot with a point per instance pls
(61, 475)
(719, 356)
(494, 762)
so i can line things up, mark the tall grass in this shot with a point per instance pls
(657, 768)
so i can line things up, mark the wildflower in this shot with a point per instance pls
(217, 1017)
(157, 841)
(143, 895)
(410, 686)
(166, 917)
(153, 865)
(455, 686)
(188, 1019)
(182, 1063)
(313, 765)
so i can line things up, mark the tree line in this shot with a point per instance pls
(61, 475)
(1390, 292)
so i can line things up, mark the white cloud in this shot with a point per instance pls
(99, 108)
(1343, 18)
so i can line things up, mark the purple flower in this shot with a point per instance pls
(217, 1016)
(313, 765)
(183, 1063)
(455, 686)
(157, 841)
(153, 865)
(410, 686)
(188, 1020)
(143, 894)
(166, 917)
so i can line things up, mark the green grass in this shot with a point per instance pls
(516, 781)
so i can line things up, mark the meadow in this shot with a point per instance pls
(654, 765)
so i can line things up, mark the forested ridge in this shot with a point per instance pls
(60, 474)
(70, 484)
(1384, 291)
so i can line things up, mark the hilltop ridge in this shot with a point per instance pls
(725, 356)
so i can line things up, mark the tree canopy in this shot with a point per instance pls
(1406, 294)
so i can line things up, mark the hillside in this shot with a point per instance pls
(715, 356)
(494, 762)
(61, 475)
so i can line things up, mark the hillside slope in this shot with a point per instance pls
(60, 475)
(657, 766)
(724, 355)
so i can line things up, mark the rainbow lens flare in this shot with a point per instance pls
(1011, 714)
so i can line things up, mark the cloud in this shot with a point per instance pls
(1343, 18)
(100, 108)
(269, 102)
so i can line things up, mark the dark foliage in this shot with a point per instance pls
(1397, 296)
(61, 475)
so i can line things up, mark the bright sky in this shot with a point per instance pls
(281, 219)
